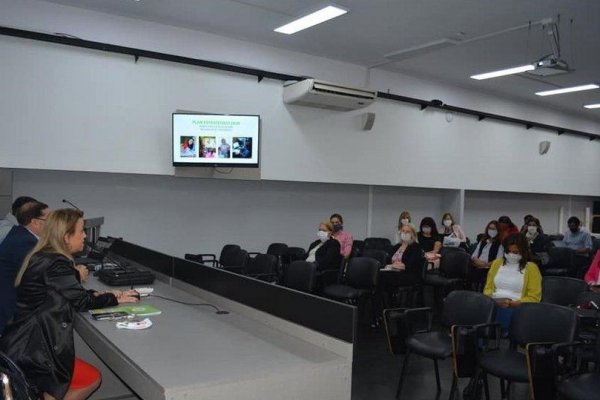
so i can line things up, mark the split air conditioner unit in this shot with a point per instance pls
(314, 93)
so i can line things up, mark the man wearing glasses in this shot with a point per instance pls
(20, 240)
(10, 220)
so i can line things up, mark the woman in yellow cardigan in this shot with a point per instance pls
(513, 279)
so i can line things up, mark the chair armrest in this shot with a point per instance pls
(489, 332)
(414, 313)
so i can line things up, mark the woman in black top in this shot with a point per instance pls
(428, 237)
(535, 236)
(325, 251)
(40, 337)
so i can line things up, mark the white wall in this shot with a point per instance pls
(87, 110)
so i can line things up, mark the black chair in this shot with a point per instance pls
(13, 384)
(300, 275)
(292, 254)
(461, 308)
(357, 248)
(380, 255)
(562, 290)
(561, 262)
(232, 258)
(374, 243)
(577, 384)
(530, 323)
(263, 267)
(360, 281)
(453, 273)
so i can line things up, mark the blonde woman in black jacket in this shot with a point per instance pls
(40, 338)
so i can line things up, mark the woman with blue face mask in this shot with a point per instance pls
(341, 235)
(514, 278)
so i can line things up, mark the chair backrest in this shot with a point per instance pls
(542, 323)
(277, 249)
(233, 257)
(462, 307)
(562, 290)
(357, 247)
(380, 255)
(262, 264)
(455, 263)
(300, 275)
(13, 381)
(561, 257)
(374, 243)
(362, 273)
(293, 253)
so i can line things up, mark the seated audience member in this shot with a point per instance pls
(341, 235)
(592, 276)
(40, 337)
(489, 248)
(514, 278)
(451, 229)
(535, 236)
(407, 256)
(428, 237)
(404, 219)
(526, 220)
(10, 219)
(506, 227)
(325, 251)
(577, 238)
(19, 241)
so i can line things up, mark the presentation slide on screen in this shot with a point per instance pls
(215, 139)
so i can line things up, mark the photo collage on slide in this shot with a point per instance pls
(215, 147)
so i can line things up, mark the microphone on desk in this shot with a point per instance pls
(71, 204)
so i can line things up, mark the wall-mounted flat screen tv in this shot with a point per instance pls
(212, 140)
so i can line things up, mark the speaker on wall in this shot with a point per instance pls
(368, 121)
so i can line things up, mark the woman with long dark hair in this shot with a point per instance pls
(40, 338)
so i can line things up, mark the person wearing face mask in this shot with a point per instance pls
(489, 248)
(451, 229)
(576, 238)
(341, 235)
(526, 220)
(325, 251)
(404, 219)
(535, 236)
(428, 237)
(514, 278)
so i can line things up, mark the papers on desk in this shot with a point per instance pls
(137, 310)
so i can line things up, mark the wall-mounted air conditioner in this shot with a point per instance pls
(314, 93)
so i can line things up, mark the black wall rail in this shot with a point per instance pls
(261, 74)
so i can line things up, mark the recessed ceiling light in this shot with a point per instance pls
(309, 20)
(568, 90)
(504, 72)
(592, 105)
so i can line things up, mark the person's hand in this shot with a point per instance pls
(595, 289)
(503, 303)
(127, 298)
(398, 266)
(83, 272)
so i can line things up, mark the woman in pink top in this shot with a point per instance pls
(593, 272)
(340, 235)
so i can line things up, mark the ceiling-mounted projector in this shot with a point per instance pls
(549, 65)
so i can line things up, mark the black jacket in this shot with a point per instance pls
(413, 258)
(13, 250)
(327, 256)
(40, 337)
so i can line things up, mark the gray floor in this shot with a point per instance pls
(375, 373)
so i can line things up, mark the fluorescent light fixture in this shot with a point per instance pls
(309, 20)
(504, 72)
(568, 90)
(592, 105)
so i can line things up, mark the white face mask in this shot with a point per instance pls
(532, 229)
(406, 237)
(512, 258)
(447, 222)
(426, 230)
(405, 221)
(492, 233)
(322, 235)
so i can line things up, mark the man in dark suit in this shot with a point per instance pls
(20, 240)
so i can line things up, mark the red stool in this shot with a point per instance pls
(84, 375)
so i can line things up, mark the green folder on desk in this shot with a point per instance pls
(139, 310)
